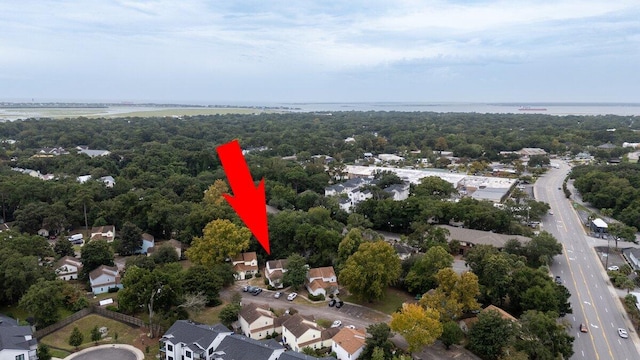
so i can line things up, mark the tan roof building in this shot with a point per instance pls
(469, 238)
(256, 321)
(348, 343)
(245, 264)
(322, 281)
(274, 272)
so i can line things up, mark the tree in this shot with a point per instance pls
(419, 326)
(454, 295)
(130, 239)
(490, 334)
(76, 338)
(194, 302)
(380, 334)
(296, 273)
(43, 352)
(63, 248)
(541, 337)
(229, 314)
(421, 277)
(451, 334)
(43, 299)
(541, 249)
(94, 254)
(370, 270)
(221, 239)
(95, 334)
(199, 280)
(165, 254)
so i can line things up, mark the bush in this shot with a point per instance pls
(269, 287)
(114, 289)
(112, 308)
(316, 298)
(248, 276)
(258, 275)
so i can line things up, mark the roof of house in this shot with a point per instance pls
(103, 269)
(322, 272)
(298, 325)
(147, 237)
(320, 284)
(503, 314)
(350, 340)
(239, 347)
(103, 229)
(190, 333)
(478, 237)
(69, 260)
(252, 312)
(277, 264)
(294, 355)
(246, 257)
(16, 338)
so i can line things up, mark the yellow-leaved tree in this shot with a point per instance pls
(419, 326)
(454, 295)
(221, 239)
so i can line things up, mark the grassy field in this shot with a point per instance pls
(15, 312)
(390, 303)
(60, 338)
(209, 315)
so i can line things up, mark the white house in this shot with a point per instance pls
(92, 153)
(16, 342)
(300, 332)
(107, 232)
(274, 272)
(104, 278)
(245, 264)
(322, 281)
(187, 340)
(390, 158)
(256, 321)
(68, 268)
(398, 192)
(148, 241)
(108, 181)
(348, 343)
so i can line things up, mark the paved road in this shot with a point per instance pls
(594, 300)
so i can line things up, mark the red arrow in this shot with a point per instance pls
(248, 201)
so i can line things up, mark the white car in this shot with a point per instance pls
(623, 333)
(292, 296)
(613, 268)
(336, 324)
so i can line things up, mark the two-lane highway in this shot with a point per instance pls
(594, 302)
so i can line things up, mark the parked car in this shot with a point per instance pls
(245, 288)
(336, 324)
(558, 280)
(351, 327)
(250, 289)
(583, 328)
(332, 302)
(623, 333)
(277, 295)
(256, 291)
(292, 296)
(339, 304)
(613, 268)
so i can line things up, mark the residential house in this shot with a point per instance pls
(107, 232)
(186, 340)
(68, 268)
(403, 250)
(16, 342)
(43, 232)
(467, 323)
(108, 181)
(54, 151)
(148, 241)
(256, 321)
(345, 204)
(245, 264)
(104, 278)
(175, 244)
(469, 238)
(322, 281)
(274, 272)
(5, 226)
(293, 355)
(300, 332)
(390, 158)
(398, 192)
(348, 343)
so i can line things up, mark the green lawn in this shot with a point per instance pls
(60, 338)
(15, 312)
(390, 303)
(209, 315)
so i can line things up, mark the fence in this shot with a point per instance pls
(97, 310)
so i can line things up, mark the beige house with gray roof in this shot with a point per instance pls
(469, 238)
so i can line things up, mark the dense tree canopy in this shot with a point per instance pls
(370, 270)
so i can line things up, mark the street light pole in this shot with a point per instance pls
(606, 265)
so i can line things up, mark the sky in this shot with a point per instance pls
(219, 52)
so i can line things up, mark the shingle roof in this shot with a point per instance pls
(349, 339)
(190, 333)
(322, 272)
(277, 264)
(246, 257)
(252, 312)
(15, 337)
(103, 269)
(298, 325)
(239, 347)
(478, 237)
(294, 355)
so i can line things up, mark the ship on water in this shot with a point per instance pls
(529, 108)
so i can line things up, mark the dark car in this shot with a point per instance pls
(339, 304)
(332, 302)
(558, 280)
(256, 291)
